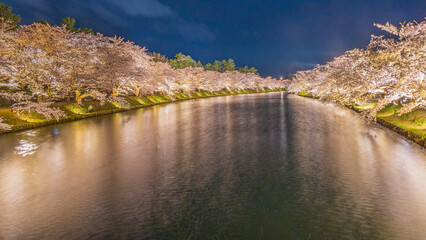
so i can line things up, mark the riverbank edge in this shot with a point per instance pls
(412, 136)
(119, 110)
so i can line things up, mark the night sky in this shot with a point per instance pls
(277, 37)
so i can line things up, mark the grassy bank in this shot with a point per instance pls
(411, 125)
(94, 108)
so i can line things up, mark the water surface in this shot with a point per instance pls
(262, 166)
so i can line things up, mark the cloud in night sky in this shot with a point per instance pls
(164, 19)
(189, 31)
(151, 14)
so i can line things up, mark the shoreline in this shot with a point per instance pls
(410, 135)
(33, 125)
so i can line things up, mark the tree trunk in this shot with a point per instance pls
(79, 97)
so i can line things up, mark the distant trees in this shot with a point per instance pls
(221, 66)
(183, 61)
(246, 69)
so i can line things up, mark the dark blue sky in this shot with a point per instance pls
(277, 37)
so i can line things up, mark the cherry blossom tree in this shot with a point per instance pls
(4, 126)
(41, 65)
(385, 72)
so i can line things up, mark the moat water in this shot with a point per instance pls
(261, 166)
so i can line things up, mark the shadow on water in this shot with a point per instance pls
(263, 166)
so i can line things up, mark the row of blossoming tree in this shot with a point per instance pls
(41, 64)
(387, 71)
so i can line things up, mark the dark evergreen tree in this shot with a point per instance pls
(69, 24)
(44, 22)
(182, 61)
(8, 20)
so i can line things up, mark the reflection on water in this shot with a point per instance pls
(25, 148)
(266, 166)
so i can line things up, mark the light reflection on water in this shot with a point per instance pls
(267, 166)
(25, 148)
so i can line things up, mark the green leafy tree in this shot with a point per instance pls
(69, 23)
(218, 66)
(182, 61)
(8, 20)
(230, 65)
(44, 22)
(253, 70)
(224, 63)
(208, 66)
(87, 31)
(246, 69)
(243, 69)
